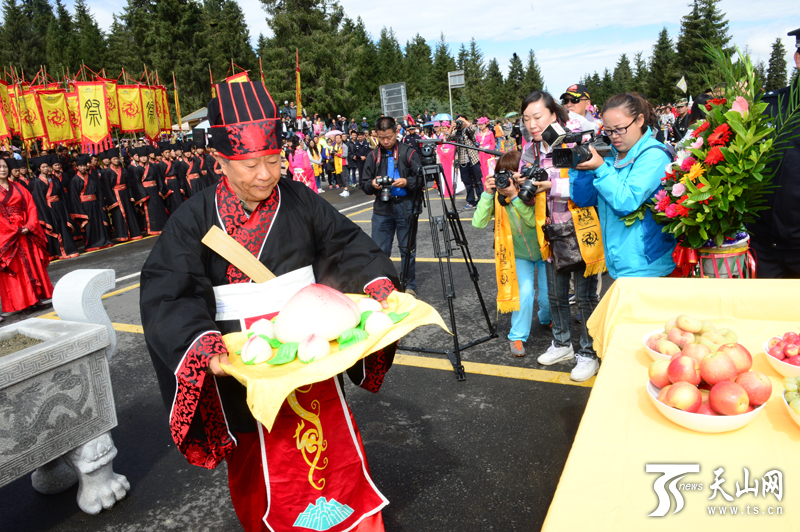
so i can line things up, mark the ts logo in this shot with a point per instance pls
(673, 472)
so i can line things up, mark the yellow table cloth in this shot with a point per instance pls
(604, 486)
(268, 385)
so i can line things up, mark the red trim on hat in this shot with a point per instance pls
(236, 109)
(259, 101)
(247, 105)
(252, 155)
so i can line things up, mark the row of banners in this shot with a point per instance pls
(85, 114)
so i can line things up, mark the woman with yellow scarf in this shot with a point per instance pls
(517, 254)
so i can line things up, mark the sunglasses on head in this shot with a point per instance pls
(573, 99)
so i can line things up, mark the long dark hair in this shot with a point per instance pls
(634, 105)
(562, 115)
(697, 113)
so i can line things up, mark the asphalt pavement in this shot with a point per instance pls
(478, 455)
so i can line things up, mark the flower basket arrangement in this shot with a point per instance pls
(723, 168)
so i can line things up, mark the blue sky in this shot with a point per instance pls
(570, 40)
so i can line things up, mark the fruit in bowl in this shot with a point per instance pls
(791, 398)
(782, 354)
(685, 332)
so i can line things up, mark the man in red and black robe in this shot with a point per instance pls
(184, 314)
(119, 203)
(87, 199)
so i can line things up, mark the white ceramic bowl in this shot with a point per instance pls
(702, 422)
(787, 370)
(792, 413)
(655, 355)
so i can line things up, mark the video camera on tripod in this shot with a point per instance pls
(556, 135)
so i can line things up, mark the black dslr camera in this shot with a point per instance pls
(555, 135)
(427, 151)
(385, 182)
(531, 173)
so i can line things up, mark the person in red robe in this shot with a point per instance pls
(309, 472)
(24, 281)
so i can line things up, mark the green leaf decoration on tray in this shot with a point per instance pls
(274, 343)
(364, 316)
(396, 318)
(286, 353)
(351, 337)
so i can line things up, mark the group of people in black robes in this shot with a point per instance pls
(87, 202)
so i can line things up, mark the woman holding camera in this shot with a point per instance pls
(515, 231)
(539, 111)
(619, 184)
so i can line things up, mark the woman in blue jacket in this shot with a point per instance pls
(619, 184)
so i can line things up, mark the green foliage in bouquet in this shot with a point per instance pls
(726, 162)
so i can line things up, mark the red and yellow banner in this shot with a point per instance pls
(5, 100)
(149, 113)
(74, 113)
(55, 116)
(112, 103)
(238, 78)
(166, 122)
(95, 128)
(130, 109)
(26, 116)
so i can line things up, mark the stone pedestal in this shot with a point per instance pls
(56, 399)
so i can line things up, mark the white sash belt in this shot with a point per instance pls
(246, 300)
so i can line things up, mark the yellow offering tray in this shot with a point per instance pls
(268, 385)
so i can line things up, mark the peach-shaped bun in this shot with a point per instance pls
(367, 303)
(377, 323)
(313, 348)
(256, 350)
(262, 326)
(316, 309)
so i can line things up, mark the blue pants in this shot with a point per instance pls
(383, 231)
(352, 171)
(587, 300)
(522, 319)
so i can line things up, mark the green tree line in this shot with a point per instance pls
(341, 63)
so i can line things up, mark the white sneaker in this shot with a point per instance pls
(555, 355)
(584, 369)
(320, 190)
(344, 194)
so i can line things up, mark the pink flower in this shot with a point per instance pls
(678, 189)
(672, 210)
(741, 106)
(687, 163)
(697, 144)
(662, 200)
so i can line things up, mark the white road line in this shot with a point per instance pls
(131, 276)
(357, 206)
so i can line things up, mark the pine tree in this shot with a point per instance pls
(592, 84)
(533, 80)
(640, 74)
(715, 25)
(362, 85)
(312, 27)
(662, 71)
(61, 42)
(514, 81)
(228, 37)
(495, 89)
(607, 87)
(691, 60)
(418, 67)
(121, 46)
(40, 16)
(17, 37)
(760, 70)
(474, 74)
(389, 58)
(776, 73)
(623, 76)
(91, 44)
(443, 63)
(461, 59)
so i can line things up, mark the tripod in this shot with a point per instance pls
(446, 230)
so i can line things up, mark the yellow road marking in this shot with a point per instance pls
(424, 259)
(359, 212)
(494, 370)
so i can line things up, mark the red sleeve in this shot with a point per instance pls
(196, 420)
(31, 217)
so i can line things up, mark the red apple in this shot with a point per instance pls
(741, 357)
(794, 361)
(662, 395)
(791, 337)
(684, 369)
(777, 352)
(684, 396)
(706, 409)
(696, 351)
(704, 386)
(728, 398)
(665, 347)
(774, 340)
(680, 338)
(658, 373)
(749, 409)
(791, 350)
(717, 367)
(652, 342)
(757, 385)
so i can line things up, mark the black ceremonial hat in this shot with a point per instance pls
(54, 159)
(199, 137)
(796, 35)
(187, 146)
(243, 121)
(83, 160)
(113, 152)
(11, 163)
(36, 162)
